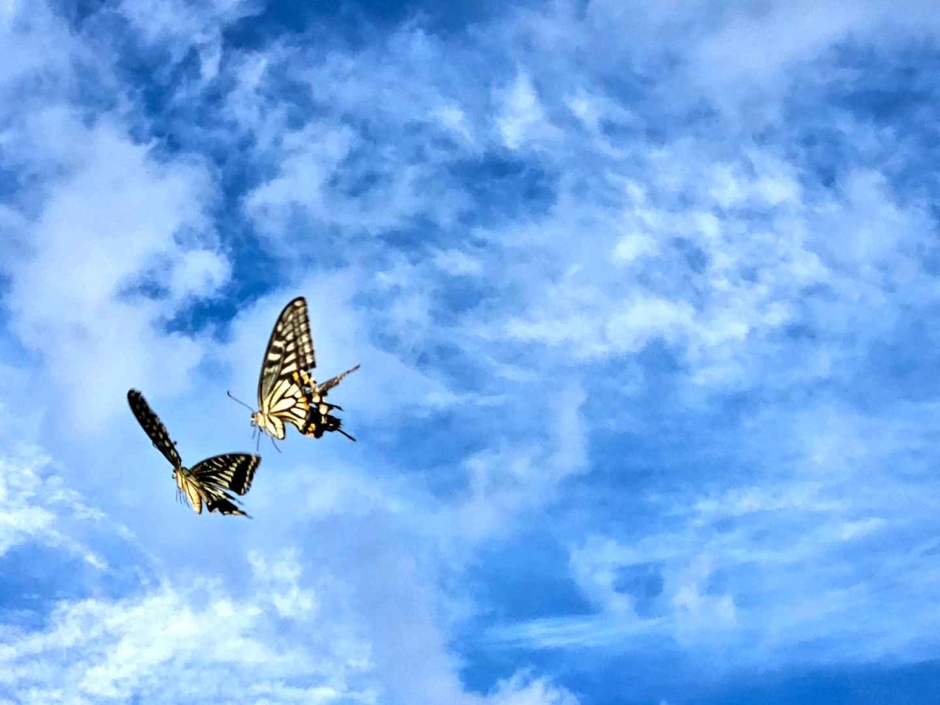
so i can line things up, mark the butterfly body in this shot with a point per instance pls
(209, 481)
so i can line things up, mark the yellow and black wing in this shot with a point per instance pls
(230, 472)
(190, 488)
(290, 349)
(154, 428)
(224, 473)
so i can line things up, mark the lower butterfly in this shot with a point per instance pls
(208, 482)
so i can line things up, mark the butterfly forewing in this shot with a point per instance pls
(154, 428)
(290, 348)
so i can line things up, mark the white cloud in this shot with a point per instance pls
(174, 643)
(788, 559)
(522, 689)
(506, 484)
(522, 120)
(454, 119)
(113, 222)
(177, 25)
(40, 507)
(458, 263)
(634, 246)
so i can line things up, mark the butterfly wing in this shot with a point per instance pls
(290, 349)
(190, 487)
(225, 506)
(230, 472)
(322, 389)
(223, 473)
(318, 419)
(154, 428)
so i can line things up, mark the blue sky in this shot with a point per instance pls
(645, 304)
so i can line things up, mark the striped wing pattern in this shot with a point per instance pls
(154, 427)
(287, 404)
(214, 499)
(290, 349)
(233, 471)
(190, 488)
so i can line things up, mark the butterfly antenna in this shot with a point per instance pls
(230, 396)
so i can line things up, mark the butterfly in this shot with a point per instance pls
(207, 482)
(287, 393)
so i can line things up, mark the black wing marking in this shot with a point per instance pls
(154, 428)
(232, 471)
(224, 506)
(290, 348)
(319, 419)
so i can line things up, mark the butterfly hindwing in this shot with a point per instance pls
(232, 471)
(190, 488)
(154, 428)
(225, 507)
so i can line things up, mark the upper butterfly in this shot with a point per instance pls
(210, 480)
(287, 393)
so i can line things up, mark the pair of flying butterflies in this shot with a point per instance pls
(287, 393)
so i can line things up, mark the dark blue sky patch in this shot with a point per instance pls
(459, 298)
(875, 684)
(643, 671)
(525, 577)
(33, 577)
(78, 12)
(355, 24)
(445, 435)
(887, 88)
(643, 583)
(884, 102)
(903, 366)
(151, 286)
(504, 187)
